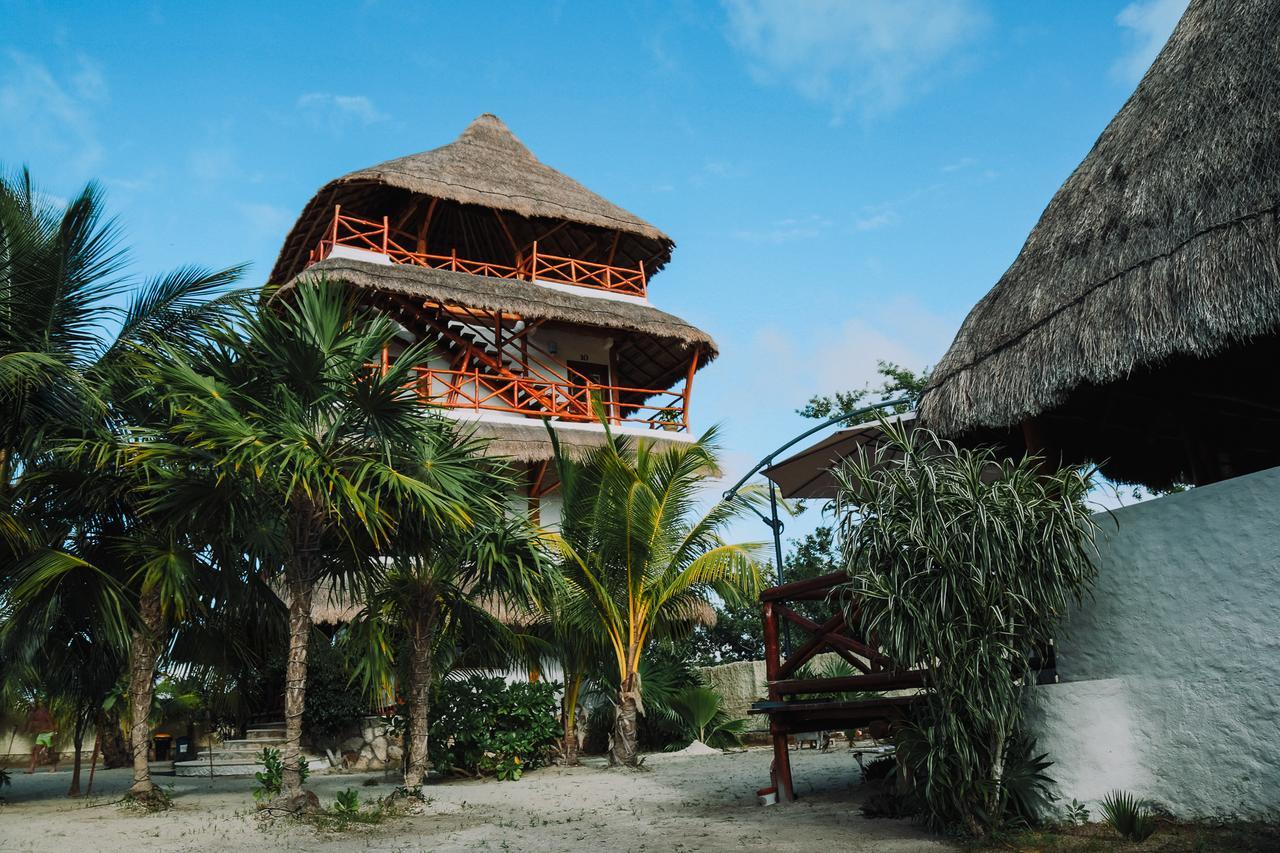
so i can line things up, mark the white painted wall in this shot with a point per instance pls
(1171, 674)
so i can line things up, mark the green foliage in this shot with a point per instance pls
(482, 725)
(898, 382)
(704, 716)
(1129, 816)
(1026, 789)
(347, 802)
(270, 777)
(1077, 813)
(738, 633)
(964, 564)
(333, 701)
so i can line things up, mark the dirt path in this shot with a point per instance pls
(677, 804)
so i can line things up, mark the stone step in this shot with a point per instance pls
(252, 743)
(233, 767)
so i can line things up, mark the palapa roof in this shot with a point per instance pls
(487, 167)
(1161, 250)
(653, 347)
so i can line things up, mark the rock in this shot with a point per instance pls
(395, 753)
(305, 802)
(352, 744)
(366, 751)
(379, 746)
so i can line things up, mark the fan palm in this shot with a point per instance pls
(69, 377)
(638, 557)
(284, 440)
(448, 588)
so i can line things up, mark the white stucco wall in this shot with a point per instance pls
(1171, 674)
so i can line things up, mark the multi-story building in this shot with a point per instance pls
(533, 290)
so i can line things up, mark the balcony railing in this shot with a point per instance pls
(533, 265)
(483, 391)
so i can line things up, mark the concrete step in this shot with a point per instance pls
(252, 743)
(233, 767)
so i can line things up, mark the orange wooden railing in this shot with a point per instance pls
(533, 265)
(484, 391)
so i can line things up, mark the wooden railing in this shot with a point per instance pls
(532, 265)
(485, 391)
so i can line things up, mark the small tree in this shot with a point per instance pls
(963, 563)
(637, 556)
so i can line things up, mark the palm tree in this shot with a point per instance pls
(448, 588)
(283, 439)
(638, 558)
(69, 377)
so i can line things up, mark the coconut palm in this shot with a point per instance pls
(72, 326)
(285, 440)
(637, 556)
(445, 589)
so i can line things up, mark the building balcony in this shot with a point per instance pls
(485, 391)
(531, 265)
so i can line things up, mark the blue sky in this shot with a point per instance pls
(843, 179)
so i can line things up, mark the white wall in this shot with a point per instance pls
(1171, 673)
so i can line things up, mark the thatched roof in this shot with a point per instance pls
(527, 440)
(1163, 244)
(486, 167)
(653, 347)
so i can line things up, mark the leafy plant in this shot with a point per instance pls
(483, 725)
(963, 564)
(879, 768)
(1026, 790)
(703, 713)
(347, 802)
(639, 554)
(333, 702)
(1077, 813)
(270, 777)
(1129, 816)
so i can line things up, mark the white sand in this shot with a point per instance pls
(703, 804)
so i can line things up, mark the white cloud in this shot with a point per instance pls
(1150, 22)
(873, 221)
(870, 54)
(49, 115)
(787, 230)
(334, 111)
(266, 220)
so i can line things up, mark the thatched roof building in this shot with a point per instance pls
(486, 168)
(1138, 325)
(653, 347)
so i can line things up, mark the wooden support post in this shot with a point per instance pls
(688, 384)
(337, 214)
(426, 226)
(781, 770)
(386, 233)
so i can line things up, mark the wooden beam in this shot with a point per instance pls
(425, 227)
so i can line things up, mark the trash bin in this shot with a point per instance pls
(162, 744)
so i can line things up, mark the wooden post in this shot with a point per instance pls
(337, 214)
(688, 384)
(533, 262)
(386, 233)
(781, 771)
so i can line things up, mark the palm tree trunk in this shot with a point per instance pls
(77, 742)
(625, 748)
(295, 681)
(572, 688)
(421, 635)
(144, 648)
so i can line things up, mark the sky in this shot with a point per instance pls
(844, 179)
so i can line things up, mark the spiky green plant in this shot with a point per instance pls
(1128, 815)
(963, 563)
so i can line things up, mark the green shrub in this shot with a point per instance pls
(482, 725)
(334, 701)
(347, 802)
(1130, 817)
(705, 719)
(271, 777)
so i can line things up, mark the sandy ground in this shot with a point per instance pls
(675, 804)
